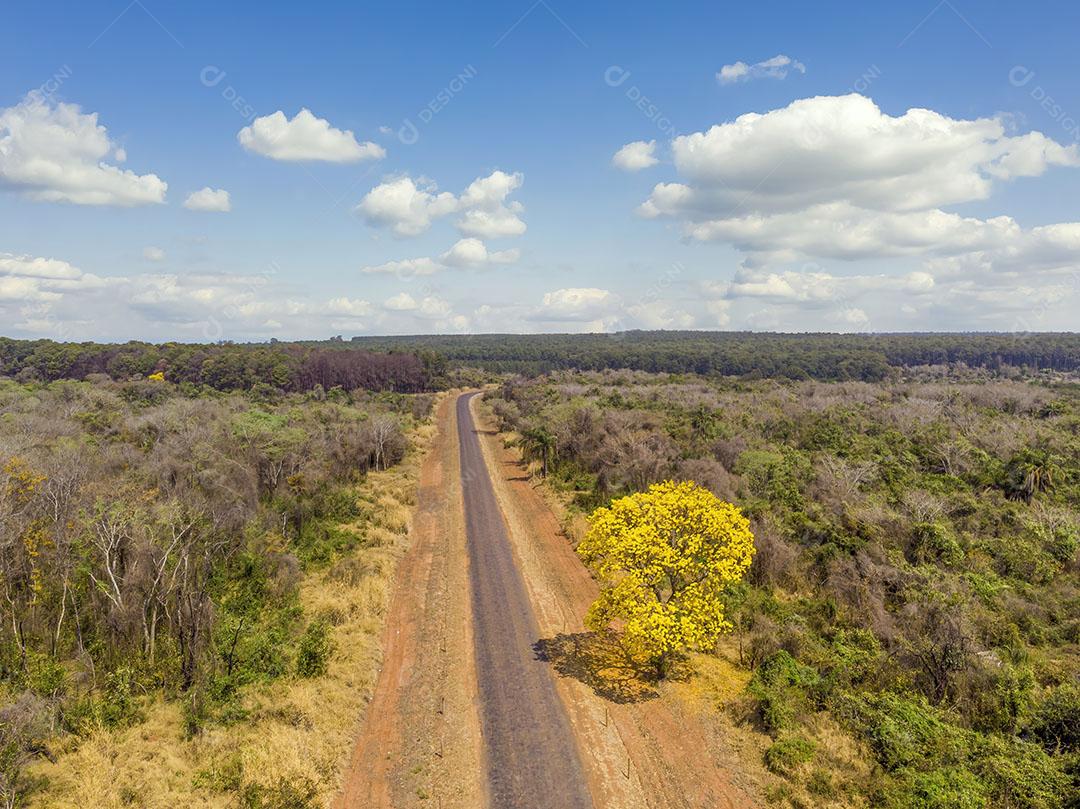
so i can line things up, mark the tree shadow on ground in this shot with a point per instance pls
(598, 660)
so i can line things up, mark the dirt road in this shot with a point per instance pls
(419, 742)
(489, 694)
(530, 754)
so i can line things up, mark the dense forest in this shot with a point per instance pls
(868, 357)
(152, 544)
(413, 364)
(225, 366)
(910, 626)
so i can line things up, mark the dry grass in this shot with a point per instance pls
(298, 730)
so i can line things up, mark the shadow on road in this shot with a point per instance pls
(597, 660)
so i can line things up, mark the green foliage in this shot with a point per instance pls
(787, 755)
(935, 542)
(153, 545)
(1055, 722)
(939, 788)
(872, 358)
(784, 688)
(44, 675)
(313, 653)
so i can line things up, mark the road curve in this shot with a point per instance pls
(530, 756)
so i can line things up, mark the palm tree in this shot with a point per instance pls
(1028, 473)
(537, 443)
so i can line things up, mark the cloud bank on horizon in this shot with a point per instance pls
(780, 204)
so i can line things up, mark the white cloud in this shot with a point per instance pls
(209, 199)
(53, 298)
(487, 214)
(348, 306)
(409, 206)
(835, 178)
(464, 254)
(474, 253)
(402, 302)
(305, 137)
(405, 206)
(577, 304)
(56, 153)
(405, 268)
(641, 154)
(26, 278)
(775, 68)
(435, 308)
(427, 308)
(153, 254)
(844, 149)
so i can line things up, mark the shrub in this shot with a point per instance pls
(1056, 721)
(787, 755)
(783, 688)
(313, 655)
(1019, 773)
(941, 788)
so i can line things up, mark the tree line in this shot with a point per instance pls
(869, 357)
(222, 366)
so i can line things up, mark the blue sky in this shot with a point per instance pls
(513, 205)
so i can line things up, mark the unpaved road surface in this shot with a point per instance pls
(419, 741)
(530, 754)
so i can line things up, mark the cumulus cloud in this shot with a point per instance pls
(402, 302)
(429, 307)
(474, 253)
(57, 153)
(405, 205)
(26, 279)
(409, 206)
(641, 154)
(835, 178)
(153, 254)
(467, 253)
(579, 304)
(209, 199)
(777, 67)
(305, 137)
(405, 268)
(844, 149)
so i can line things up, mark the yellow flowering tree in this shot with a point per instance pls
(663, 558)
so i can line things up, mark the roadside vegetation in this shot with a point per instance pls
(909, 630)
(192, 587)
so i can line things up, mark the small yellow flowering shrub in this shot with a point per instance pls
(663, 558)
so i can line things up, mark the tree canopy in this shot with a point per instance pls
(664, 557)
